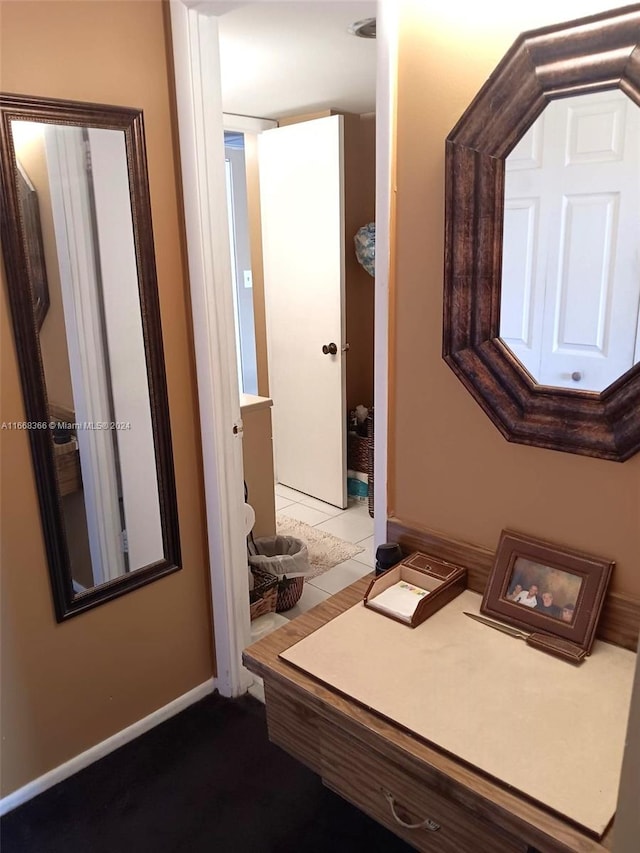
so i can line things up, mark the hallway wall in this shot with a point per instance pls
(66, 687)
(450, 468)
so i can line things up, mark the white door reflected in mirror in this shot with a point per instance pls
(92, 348)
(570, 296)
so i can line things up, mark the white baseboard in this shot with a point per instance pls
(63, 771)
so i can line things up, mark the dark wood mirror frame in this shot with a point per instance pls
(592, 54)
(27, 108)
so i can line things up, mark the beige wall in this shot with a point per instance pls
(67, 687)
(360, 204)
(450, 468)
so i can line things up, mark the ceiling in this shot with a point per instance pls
(286, 58)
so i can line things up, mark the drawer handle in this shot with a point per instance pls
(427, 823)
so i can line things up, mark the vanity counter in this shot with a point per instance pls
(257, 454)
(252, 403)
(387, 772)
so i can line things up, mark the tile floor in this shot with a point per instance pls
(353, 524)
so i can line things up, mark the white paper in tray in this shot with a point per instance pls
(399, 600)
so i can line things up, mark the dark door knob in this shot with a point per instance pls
(330, 349)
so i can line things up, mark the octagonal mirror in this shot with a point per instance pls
(542, 256)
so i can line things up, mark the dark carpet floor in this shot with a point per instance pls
(206, 780)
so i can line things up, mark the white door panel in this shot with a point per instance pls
(302, 202)
(528, 152)
(76, 250)
(125, 347)
(596, 131)
(583, 285)
(518, 303)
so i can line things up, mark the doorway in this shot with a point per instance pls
(241, 263)
(195, 36)
(317, 188)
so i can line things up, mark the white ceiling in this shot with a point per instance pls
(286, 58)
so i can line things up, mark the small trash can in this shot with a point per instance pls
(288, 559)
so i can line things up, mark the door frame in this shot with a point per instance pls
(195, 40)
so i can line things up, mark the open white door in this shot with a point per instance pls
(572, 213)
(75, 245)
(302, 206)
(124, 345)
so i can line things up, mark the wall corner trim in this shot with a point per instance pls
(94, 753)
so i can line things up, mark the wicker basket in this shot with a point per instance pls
(289, 592)
(358, 452)
(263, 597)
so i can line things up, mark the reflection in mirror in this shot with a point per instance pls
(76, 211)
(92, 349)
(570, 263)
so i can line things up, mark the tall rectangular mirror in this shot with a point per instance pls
(80, 264)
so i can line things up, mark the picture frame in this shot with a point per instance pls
(546, 588)
(34, 245)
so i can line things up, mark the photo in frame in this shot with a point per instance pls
(34, 247)
(546, 588)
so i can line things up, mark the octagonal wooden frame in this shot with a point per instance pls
(588, 55)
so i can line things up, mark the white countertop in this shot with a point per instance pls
(251, 402)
